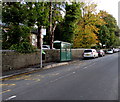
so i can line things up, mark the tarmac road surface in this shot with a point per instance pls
(93, 79)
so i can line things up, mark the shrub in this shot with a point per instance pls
(23, 47)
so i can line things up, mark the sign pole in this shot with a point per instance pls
(43, 32)
(41, 48)
(41, 51)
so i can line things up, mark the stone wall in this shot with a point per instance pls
(13, 60)
(52, 55)
(77, 53)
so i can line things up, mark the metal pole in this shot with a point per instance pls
(41, 48)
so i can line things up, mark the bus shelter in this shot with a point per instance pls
(65, 50)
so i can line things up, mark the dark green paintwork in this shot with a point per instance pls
(65, 50)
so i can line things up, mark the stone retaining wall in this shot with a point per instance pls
(77, 53)
(13, 60)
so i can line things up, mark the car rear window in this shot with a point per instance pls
(45, 47)
(88, 51)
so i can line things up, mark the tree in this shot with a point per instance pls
(59, 31)
(73, 13)
(13, 13)
(14, 16)
(55, 17)
(45, 14)
(107, 33)
(117, 32)
(87, 30)
(38, 14)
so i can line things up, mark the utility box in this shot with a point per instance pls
(65, 50)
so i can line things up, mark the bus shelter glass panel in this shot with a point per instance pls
(68, 50)
(65, 50)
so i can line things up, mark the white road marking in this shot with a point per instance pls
(85, 67)
(89, 66)
(10, 97)
(61, 77)
(57, 79)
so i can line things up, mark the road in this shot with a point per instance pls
(93, 79)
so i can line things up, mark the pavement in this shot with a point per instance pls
(35, 68)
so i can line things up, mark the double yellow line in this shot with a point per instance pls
(14, 76)
(5, 91)
(7, 84)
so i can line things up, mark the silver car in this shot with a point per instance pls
(109, 51)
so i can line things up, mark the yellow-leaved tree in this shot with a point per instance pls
(86, 31)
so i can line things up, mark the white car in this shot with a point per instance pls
(116, 50)
(110, 51)
(45, 47)
(90, 53)
(101, 53)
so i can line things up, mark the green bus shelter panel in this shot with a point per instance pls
(63, 56)
(65, 50)
(68, 56)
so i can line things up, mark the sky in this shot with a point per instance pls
(111, 6)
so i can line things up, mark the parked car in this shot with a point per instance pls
(45, 47)
(90, 53)
(115, 50)
(109, 51)
(101, 53)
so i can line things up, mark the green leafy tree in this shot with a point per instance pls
(109, 31)
(14, 15)
(46, 14)
(117, 32)
(73, 14)
(15, 35)
(24, 15)
(55, 17)
(59, 31)
(37, 15)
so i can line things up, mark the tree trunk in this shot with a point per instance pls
(38, 37)
(50, 29)
(52, 40)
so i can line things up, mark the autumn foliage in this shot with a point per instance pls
(86, 32)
